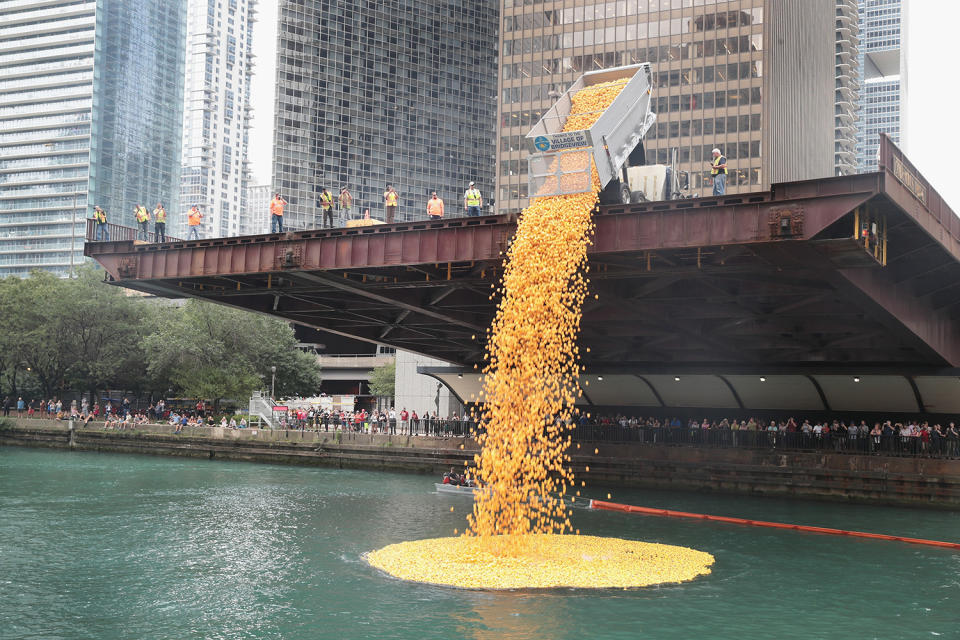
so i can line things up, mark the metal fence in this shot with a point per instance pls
(841, 442)
(110, 232)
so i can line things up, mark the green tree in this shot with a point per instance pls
(211, 351)
(383, 380)
(70, 333)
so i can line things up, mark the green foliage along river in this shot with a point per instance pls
(113, 546)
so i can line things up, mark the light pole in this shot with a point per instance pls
(273, 379)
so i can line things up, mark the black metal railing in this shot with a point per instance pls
(895, 444)
(110, 232)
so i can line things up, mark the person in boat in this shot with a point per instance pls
(454, 478)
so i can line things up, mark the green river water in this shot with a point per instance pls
(112, 546)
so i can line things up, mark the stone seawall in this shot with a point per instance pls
(832, 476)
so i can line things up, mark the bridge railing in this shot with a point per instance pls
(118, 233)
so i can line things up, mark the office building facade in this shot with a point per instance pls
(219, 68)
(90, 106)
(376, 92)
(255, 217)
(754, 78)
(880, 68)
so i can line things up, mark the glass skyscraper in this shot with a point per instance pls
(880, 22)
(217, 114)
(371, 92)
(91, 109)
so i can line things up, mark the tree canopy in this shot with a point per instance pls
(383, 380)
(81, 334)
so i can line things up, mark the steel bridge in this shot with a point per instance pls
(806, 285)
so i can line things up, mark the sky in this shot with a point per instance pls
(929, 111)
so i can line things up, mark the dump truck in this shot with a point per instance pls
(558, 165)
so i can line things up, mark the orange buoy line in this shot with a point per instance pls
(629, 508)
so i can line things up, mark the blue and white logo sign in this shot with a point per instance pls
(541, 143)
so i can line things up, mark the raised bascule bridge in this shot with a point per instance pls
(833, 295)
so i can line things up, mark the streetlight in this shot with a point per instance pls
(273, 379)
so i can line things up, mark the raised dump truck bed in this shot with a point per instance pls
(554, 167)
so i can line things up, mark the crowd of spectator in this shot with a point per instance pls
(385, 421)
(910, 437)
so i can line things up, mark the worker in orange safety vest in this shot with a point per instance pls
(434, 207)
(276, 213)
(193, 222)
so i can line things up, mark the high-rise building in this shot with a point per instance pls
(216, 106)
(255, 216)
(387, 91)
(880, 69)
(755, 78)
(847, 90)
(90, 106)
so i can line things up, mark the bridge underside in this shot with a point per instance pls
(782, 281)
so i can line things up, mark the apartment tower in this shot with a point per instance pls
(219, 68)
(90, 113)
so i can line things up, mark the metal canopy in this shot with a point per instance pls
(875, 393)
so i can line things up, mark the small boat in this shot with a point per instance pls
(454, 488)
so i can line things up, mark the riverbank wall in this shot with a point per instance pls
(914, 481)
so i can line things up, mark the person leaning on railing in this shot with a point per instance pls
(100, 220)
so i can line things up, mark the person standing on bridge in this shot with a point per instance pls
(472, 201)
(193, 222)
(276, 213)
(390, 200)
(142, 216)
(346, 203)
(100, 220)
(718, 170)
(434, 207)
(326, 206)
(160, 223)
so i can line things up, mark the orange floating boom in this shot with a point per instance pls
(629, 508)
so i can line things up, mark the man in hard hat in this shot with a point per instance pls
(142, 216)
(346, 203)
(276, 213)
(326, 205)
(390, 200)
(472, 201)
(434, 207)
(100, 220)
(193, 223)
(160, 223)
(718, 171)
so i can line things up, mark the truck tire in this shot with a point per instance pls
(624, 193)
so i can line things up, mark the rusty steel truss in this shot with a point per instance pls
(858, 269)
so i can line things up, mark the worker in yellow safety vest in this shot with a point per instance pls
(193, 222)
(142, 216)
(390, 199)
(718, 171)
(472, 201)
(326, 204)
(434, 207)
(276, 213)
(160, 223)
(100, 221)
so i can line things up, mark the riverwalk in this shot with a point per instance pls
(918, 481)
